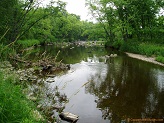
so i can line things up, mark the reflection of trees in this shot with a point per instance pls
(77, 54)
(68, 55)
(160, 105)
(125, 93)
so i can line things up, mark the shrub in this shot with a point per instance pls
(117, 44)
(130, 47)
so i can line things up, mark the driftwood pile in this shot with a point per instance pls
(44, 65)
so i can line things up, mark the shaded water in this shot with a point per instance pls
(109, 91)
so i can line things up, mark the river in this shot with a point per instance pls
(109, 90)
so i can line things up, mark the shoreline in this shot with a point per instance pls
(144, 58)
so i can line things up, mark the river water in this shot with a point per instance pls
(109, 90)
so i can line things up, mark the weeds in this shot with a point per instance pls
(14, 107)
(143, 48)
(160, 59)
(150, 49)
(4, 53)
(27, 43)
(147, 49)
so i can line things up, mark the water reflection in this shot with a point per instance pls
(69, 55)
(117, 88)
(130, 90)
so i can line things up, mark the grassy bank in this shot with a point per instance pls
(14, 107)
(148, 49)
(27, 43)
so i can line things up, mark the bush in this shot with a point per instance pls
(130, 47)
(14, 107)
(117, 44)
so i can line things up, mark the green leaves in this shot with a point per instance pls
(126, 19)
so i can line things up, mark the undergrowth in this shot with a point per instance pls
(27, 43)
(6, 51)
(147, 49)
(14, 107)
(160, 59)
(144, 48)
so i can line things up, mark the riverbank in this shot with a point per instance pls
(144, 58)
(31, 82)
(14, 106)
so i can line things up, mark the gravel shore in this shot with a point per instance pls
(144, 58)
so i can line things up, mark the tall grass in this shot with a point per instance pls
(27, 43)
(160, 59)
(148, 49)
(151, 49)
(14, 107)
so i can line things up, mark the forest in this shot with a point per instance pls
(118, 22)
(24, 21)
(135, 26)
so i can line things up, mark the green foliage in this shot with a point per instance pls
(20, 16)
(130, 46)
(160, 59)
(6, 51)
(14, 107)
(117, 44)
(7, 10)
(93, 32)
(150, 49)
(27, 43)
(143, 48)
(62, 26)
(128, 19)
(26, 21)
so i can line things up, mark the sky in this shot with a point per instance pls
(76, 7)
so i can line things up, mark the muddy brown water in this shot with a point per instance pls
(109, 90)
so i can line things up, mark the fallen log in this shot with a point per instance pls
(69, 117)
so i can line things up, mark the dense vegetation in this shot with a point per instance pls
(134, 25)
(14, 107)
(28, 20)
(129, 19)
(119, 22)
